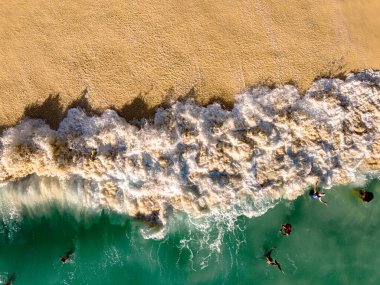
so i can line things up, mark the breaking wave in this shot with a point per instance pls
(202, 161)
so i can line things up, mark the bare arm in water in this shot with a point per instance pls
(323, 202)
(316, 186)
(278, 265)
(318, 193)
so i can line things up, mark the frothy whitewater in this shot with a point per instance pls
(203, 161)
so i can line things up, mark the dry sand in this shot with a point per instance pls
(118, 52)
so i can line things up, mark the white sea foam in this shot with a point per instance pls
(204, 161)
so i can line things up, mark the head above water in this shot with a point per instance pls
(367, 196)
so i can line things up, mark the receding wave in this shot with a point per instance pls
(203, 161)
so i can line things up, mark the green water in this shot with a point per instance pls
(334, 244)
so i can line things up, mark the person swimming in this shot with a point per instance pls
(270, 260)
(66, 257)
(11, 279)
(286, 229)
(366, 196)
(315, 194)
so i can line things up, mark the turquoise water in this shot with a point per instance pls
(334, 244)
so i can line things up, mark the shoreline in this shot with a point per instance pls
(52, 110)
(135, 53)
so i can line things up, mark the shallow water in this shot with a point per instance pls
(337, 244)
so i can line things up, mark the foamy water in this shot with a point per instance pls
(204, 161)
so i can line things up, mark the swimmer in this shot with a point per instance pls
(270, 260)
(11, 279)
(68, 255)
(366, 196)
(286, 229)
(315, 194)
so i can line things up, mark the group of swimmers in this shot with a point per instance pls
(286, 229)
(364, 195)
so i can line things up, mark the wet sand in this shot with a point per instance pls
(133, 55)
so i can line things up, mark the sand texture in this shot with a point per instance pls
(132, 55)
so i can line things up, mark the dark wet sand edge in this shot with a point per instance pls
(52, 111)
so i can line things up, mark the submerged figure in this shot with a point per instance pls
(153, 219)
(66, 257)
(11, 278)
(315, 194)
(366, 196)
(286, 229)
(270, 260)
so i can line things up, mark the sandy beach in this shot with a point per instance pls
(133, 55)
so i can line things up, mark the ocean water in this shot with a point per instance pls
(196, 195)
(334, 244)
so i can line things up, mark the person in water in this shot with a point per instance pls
(315, 194)
(66, 257)
(11, 278)
(286, 229)
(270, 260)
(366, 196)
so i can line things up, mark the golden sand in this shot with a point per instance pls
(118, 52)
